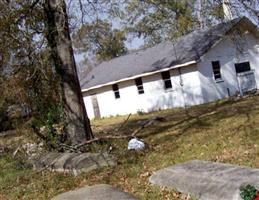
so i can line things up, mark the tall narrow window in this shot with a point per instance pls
(116, 91)
(242, 67)
(167, 79)
(216, 69)
(139, 85)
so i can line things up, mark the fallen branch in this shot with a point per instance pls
(146, 124)
(76, 148)
(101, 139)
(124, 123)
(16, 151)
(109, 137)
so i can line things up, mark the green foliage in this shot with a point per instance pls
(11, 170)
(50, 123)
(248, 192)
(98, 38)
(216, 11)
(158, 20)
(26, 73)
(51, 116)
(140, 112)
(52, 119)
(173, 141)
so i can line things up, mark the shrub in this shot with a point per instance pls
(248, 192)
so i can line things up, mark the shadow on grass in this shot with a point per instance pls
(203, 117)
(183, 121)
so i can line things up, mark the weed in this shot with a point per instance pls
(223, 131)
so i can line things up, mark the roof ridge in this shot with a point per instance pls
(165, 54)
(165, 41)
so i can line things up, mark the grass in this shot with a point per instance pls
(223, 131)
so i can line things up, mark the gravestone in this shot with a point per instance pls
(207, 180)
(96, 192)
(74, 162)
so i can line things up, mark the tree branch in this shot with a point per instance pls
(110, 137)
(34, 4)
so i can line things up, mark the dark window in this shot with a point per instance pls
(116, 91)
(139, 85)
(242, 67)
(167, 79)
(216, 69)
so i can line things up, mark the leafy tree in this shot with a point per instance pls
(158, 20)
(77, 124)
(36, 48)
(34, 31)
(22, 63)
(99, 39)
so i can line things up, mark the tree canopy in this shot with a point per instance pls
(159, 20)
(37, 66)
(99, 39)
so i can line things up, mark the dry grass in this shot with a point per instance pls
(224, 131)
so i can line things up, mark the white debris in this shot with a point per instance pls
(33, 150)
(135, 144)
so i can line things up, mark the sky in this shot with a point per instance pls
(135, 43)
(238, 9)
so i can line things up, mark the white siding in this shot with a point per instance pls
(227, 53)
(198, 81)
(89, 106)
(191, 86)
(154, 98)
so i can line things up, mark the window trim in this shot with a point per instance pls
(216, 71)
(116, 91)
(139, 85)
(167, 79)
(241, 63)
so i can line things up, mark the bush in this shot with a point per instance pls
(248, 192)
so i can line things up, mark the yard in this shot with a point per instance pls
(225, 131)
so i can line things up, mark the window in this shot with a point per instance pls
(139, 85)
(216, 69)
(116, 91)
(167, 79)
(242, 67)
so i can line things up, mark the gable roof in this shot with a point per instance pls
(184, 51)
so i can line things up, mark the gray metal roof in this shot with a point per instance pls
(167, 54)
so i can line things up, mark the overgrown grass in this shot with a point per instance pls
(224, 131)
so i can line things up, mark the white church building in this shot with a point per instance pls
(203, 66)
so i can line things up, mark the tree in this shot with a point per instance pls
(77, 124)
(25, 49)
(157, 20)
(22, 59)
(31, 32)
(238, 8)
(99, 39)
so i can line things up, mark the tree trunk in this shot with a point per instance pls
(77, 125)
